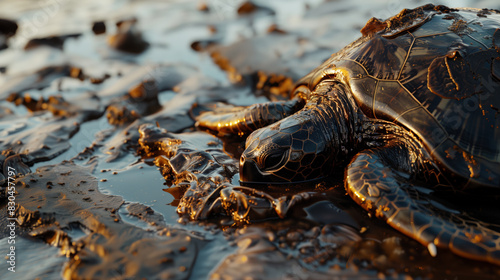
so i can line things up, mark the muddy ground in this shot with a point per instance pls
(113, 180)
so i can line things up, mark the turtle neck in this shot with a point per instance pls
(335, 112)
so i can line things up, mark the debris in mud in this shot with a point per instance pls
(56, 104)
(142, 100)
(263, 67)
(274, 86)
(118, 114)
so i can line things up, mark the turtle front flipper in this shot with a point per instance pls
(376, 181)
(244, 120)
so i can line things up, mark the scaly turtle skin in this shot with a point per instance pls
(410, 107)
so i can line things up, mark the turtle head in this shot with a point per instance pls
(306, 145)
(291, 150)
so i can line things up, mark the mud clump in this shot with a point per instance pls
(273, 85)
(120, 114)
(141, 100)
(52, 41)
(128, 38)
(248, 7)
(99, 27)
(8, 29)
(203, 45)
(55, 104)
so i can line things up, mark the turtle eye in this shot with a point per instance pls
(274, 160)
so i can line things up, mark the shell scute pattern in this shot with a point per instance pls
(437, 75)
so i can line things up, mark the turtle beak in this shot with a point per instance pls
(250, 172)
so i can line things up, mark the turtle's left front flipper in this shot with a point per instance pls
(244, 120)
(376, 181)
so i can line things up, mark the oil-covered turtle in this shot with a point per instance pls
(410, 107)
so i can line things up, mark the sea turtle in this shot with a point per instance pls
(409, 108)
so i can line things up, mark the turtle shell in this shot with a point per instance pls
(435, 71)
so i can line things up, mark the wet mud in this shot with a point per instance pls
(113, 180)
